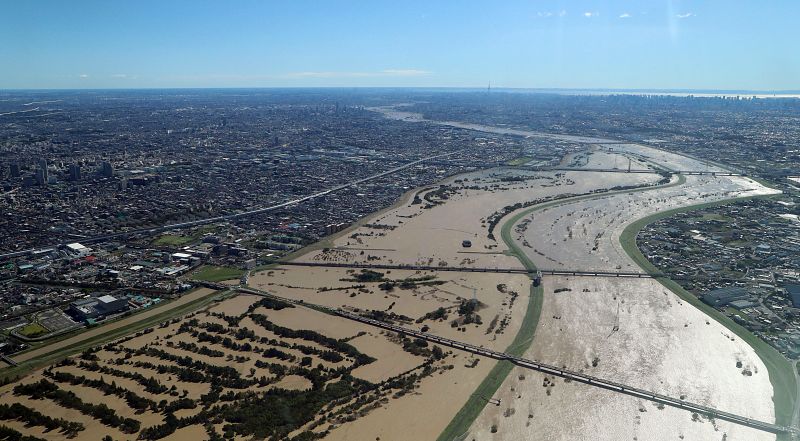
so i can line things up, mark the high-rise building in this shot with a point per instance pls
(74, 172)
(14, 169)
(43, 167)
(41, 176)
(106, 169)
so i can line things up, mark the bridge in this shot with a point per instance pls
(546, 368)
(621, 170)
(468, 269)
(8, 360)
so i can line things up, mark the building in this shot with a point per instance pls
(109, 304)
(106, 169)
(43, 168)
(83, 309)
(724, 296)
(78, 250)
(794, 294)
(41, 176)
(74, 172)
(96, 307)
(14, 170)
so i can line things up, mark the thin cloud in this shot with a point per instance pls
(562, 13)
(589, 14)
(405, 72)
(381, 73)
(686, 15)
(544, 14)
(625, 15)
(83, 76)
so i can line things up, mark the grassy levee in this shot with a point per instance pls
(462, 421)
(780, 370)
(62, 351)
(474, 405)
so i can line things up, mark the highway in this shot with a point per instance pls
(547, 369)
(194, 223)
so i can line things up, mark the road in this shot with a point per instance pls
(169, 227)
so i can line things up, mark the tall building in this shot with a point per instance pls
(106, 169)
(74, 172)
(41, 176)
(44, 176)
(14, 169)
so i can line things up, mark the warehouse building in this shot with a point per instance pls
(96, 307)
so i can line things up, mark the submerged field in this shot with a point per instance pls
(246, 367)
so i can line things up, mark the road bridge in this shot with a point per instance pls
(546, 368)
(620, 170)
(468, 269)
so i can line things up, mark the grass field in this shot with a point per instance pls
(60, 349)
(780, 369)
(33, 330)
(172, 240)
(211, 273)
(520, 161)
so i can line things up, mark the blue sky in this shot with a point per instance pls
(663, 44)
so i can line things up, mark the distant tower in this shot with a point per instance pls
(14, 169)
(489, 89)
(629, 165)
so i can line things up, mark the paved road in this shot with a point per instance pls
(168, 227)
